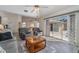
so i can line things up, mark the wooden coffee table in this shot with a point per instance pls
(35, 44)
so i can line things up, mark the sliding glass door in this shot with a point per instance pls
(57, 27)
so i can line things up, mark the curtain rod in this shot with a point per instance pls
(62, 14)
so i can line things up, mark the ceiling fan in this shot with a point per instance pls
(35, 7)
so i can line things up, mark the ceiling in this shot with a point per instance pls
(19, 9)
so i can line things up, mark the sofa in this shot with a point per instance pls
(5, 36)
(8, 42)
(23, 32)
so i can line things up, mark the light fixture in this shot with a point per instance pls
(24, 24)
(1, 27)
(36, 10)
(31, 25)
(25, 10)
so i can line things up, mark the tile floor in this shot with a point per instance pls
(53, 45)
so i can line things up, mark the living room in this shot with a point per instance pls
(38, 26)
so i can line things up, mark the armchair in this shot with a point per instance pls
(23, 32)
(36, 31)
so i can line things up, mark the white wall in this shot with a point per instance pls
(11, 19)
(42, 26)
(29, 21)
(3, 17)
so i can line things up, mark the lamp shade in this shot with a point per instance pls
(1, 27)
(32, 25)
(24, 24)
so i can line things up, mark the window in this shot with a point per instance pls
(54, 27)
(51, 27)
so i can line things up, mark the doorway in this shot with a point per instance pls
(62, 27)
(58, 27)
